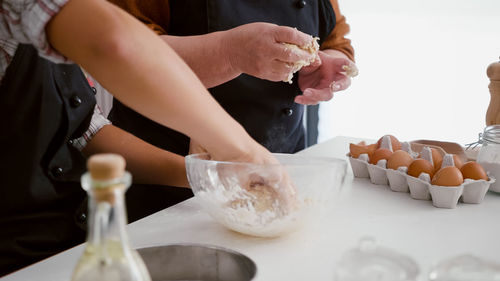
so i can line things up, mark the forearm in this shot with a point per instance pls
(205, 55)
(147, 163)
(136, 66)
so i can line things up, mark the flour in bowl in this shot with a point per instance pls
(246, 212)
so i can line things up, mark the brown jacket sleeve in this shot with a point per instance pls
(154, 13)
(337, 40)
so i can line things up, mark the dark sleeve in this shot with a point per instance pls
(154, 13)
(337, 39)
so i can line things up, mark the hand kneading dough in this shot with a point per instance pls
(264, 195)
(312, 48)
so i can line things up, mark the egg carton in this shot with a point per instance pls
(470, 192)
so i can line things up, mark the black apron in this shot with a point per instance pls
(265, 109)
(43, 106)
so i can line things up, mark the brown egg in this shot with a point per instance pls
(360, 148)
(448, 176)
(380, 154)
(419, 166)
(437, 159)
(473, 170)
(398, 159)
(457, 161)
(396, 145)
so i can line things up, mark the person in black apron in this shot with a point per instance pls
(45, 106)
(55, 107)
(42, 118)
(267, 110)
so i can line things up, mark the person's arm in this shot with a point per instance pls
(254, 49)
(219, 57)
(147, 163)
(145, 74)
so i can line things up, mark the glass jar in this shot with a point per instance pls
(489, 154)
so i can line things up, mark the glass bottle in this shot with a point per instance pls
(489, 154)
(108, 254)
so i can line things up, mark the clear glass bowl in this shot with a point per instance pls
(370, 262)
(266, 200)
(465, 268)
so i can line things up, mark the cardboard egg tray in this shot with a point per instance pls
(471, 191)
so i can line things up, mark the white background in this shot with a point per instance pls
(422, 70)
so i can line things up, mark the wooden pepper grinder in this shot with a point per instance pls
(493, 113)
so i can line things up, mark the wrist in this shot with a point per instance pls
(229, 50)
(228, 142)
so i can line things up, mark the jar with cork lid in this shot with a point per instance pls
(108, 254)
(489, 154)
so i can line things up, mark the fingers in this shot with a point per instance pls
(308, 69)
(340, 65)
(291, 35)
(292, 54)
(280, 71)
(341, 84)
(277, 71)
(314, 96)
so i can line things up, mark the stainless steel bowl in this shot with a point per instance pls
(197, 262)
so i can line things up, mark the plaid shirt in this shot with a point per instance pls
(24, 21)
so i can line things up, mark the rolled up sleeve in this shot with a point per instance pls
(98, 121)
(337, 39)
(24, 21)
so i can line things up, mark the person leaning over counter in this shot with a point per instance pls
(234, 47)
(50, 122)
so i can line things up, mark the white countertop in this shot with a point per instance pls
(396, 221)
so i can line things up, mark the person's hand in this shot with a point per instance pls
(256, 49)
(263, 188)
(320, 80)
(266, 186)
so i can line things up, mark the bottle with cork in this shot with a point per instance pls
(108, 254)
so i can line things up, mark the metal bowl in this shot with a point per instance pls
(266, 200)
(197, 262)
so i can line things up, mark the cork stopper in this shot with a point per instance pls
(493, 71)
(105, 167)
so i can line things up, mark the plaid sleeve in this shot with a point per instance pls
(98, 121)
(24, 21)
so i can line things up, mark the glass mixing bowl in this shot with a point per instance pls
(266, 200)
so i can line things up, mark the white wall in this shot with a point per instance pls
(422, 70)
